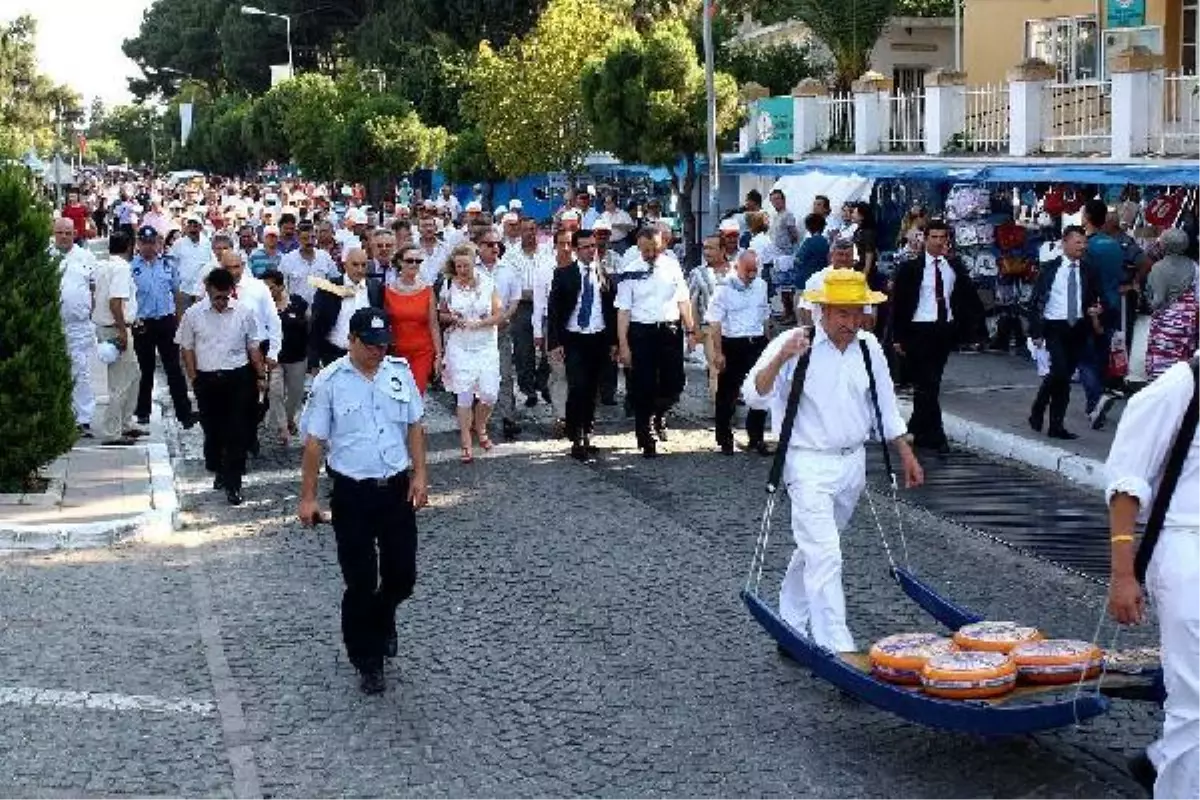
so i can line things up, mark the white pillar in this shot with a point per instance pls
(1136, 102)
(750, 93)
(870, 112)
(1027, 87)
(806, 116)
(945, 109)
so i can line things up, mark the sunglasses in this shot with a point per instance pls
(490, 244)
(413, 260)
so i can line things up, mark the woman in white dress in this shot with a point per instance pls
(470, 310)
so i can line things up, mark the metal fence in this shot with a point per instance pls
(1078, 118)
(906, 122)
(1180, 115)
(986, 122)
(835, 124)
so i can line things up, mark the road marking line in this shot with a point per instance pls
(28, 696)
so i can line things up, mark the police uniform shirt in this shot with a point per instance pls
(157, 282)
(741, 309)
(219, 339)
(364, 421)
(652, 295)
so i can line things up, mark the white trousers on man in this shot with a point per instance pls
(124, 374)
(81, 343)
(1171, 579)
(824, 488)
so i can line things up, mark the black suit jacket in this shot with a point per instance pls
(1088, 293)
(564, 296)
(965, 305)
(325, 309)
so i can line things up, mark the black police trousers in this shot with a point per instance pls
(223, 397)
(657, 372)
(376, 531)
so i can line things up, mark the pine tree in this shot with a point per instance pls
(36, 421)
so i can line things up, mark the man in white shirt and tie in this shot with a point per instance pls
(825, 461)
(737, 317)
(1063, 314)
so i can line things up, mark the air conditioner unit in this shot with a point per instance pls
(1118, 39)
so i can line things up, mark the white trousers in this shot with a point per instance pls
(81, 343)
(123, 377)
(824, 489)
(1172, 578)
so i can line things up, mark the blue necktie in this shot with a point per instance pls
(585, 300)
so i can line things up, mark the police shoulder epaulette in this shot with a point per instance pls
(398, 361)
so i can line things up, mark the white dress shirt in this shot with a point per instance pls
(656, 297)
(504, 281)
(835, 410)
(219, 339)
(927, 303)
(114, 281)
(1148, 427)
(190, 258)
(297, 269)
(620, 222)
(741, 310)
(76, 270)
(1056, 303)
(590, 273)
(542, 281)
(435, 261)
(255, 296)
(525, 265)
(339, 335)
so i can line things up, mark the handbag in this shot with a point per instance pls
(1118, 358)
(1010, 236)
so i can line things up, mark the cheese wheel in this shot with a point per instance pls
(996, 637)
(1057, 660)
(899, 658)
(965, 675)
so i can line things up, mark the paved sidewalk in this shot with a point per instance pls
(96, 495)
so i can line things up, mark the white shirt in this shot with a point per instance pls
(590, 273)
(114, 281)
(621, 218)
(255, 296)
(835, 410)
(927, 303)
(297, 269)
(190, 258)
(504, 281)
(525, 265)
(1056, 303)
(339, 335)
(1148, 427)
(656, 297)
(75, 272)
(588, 220)
(816, 282)
(435, 260)
(219, 340)
(541, 295)
(741, 310)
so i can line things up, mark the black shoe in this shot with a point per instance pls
(591, 448)
(660, 429)
(372, 681)
(1036, 421)
(510, 430)
(546, 395)
(762, 448)
(391, 644)
(234, 496)
(143, 420)
(580, 453)
(531, 400)
(120, 441)
(650, 450)
(1142, 770)
(1099, 414)
(726, 448)
(218, 483)
(608, 400)
(187, 422)
(1060, 432)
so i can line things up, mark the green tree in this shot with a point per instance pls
(778, 67)
(104, 151)
(32, 107)
(177, 39)
(525, 98)
(647, 104)
(467, 161)
(36, 421)
(141, 132)
(384, 137)
(262, 129)
(313, 116)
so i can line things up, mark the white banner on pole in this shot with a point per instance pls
(185, 122)
(280, 73)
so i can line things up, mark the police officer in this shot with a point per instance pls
(158, 301)
(366, 408)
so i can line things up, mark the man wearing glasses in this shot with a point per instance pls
(508, 285)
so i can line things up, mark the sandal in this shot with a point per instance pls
(467, 456)
(484, 441)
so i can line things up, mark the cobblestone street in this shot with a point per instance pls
(575, 630)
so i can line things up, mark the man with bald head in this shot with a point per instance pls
(76, 266)
(334, 302)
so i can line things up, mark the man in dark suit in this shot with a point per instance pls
(1064, 313)
(334, 302)
(581, 330)
(934, 306)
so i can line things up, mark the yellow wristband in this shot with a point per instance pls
(1122, 538)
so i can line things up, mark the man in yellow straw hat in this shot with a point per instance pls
(825, 461)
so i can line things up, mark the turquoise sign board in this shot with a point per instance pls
(773, 127)
(1126, 14)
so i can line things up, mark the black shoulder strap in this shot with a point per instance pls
(789, 420)
(887, 455)
(1166, 488)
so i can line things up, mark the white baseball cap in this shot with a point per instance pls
(474, 205)
(602, 225)
(729, 226)
(515, 205)
(510, 217)
(107, 352)
(570, 215)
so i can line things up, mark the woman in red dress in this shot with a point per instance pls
(412, 310)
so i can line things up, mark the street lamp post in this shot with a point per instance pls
(253, 11)
(714, 167)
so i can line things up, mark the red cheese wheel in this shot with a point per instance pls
(1056, 661)
(996, 637)
(899, 658)
(965, 675)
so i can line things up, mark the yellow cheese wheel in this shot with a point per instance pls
(1057, 660)
(966, 675)
(899, 658)
(996, 637)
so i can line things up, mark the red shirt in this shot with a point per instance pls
(78, 214)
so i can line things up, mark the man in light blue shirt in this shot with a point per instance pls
(366, 408)
(158, 294)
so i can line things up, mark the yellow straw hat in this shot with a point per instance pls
(844, 287)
